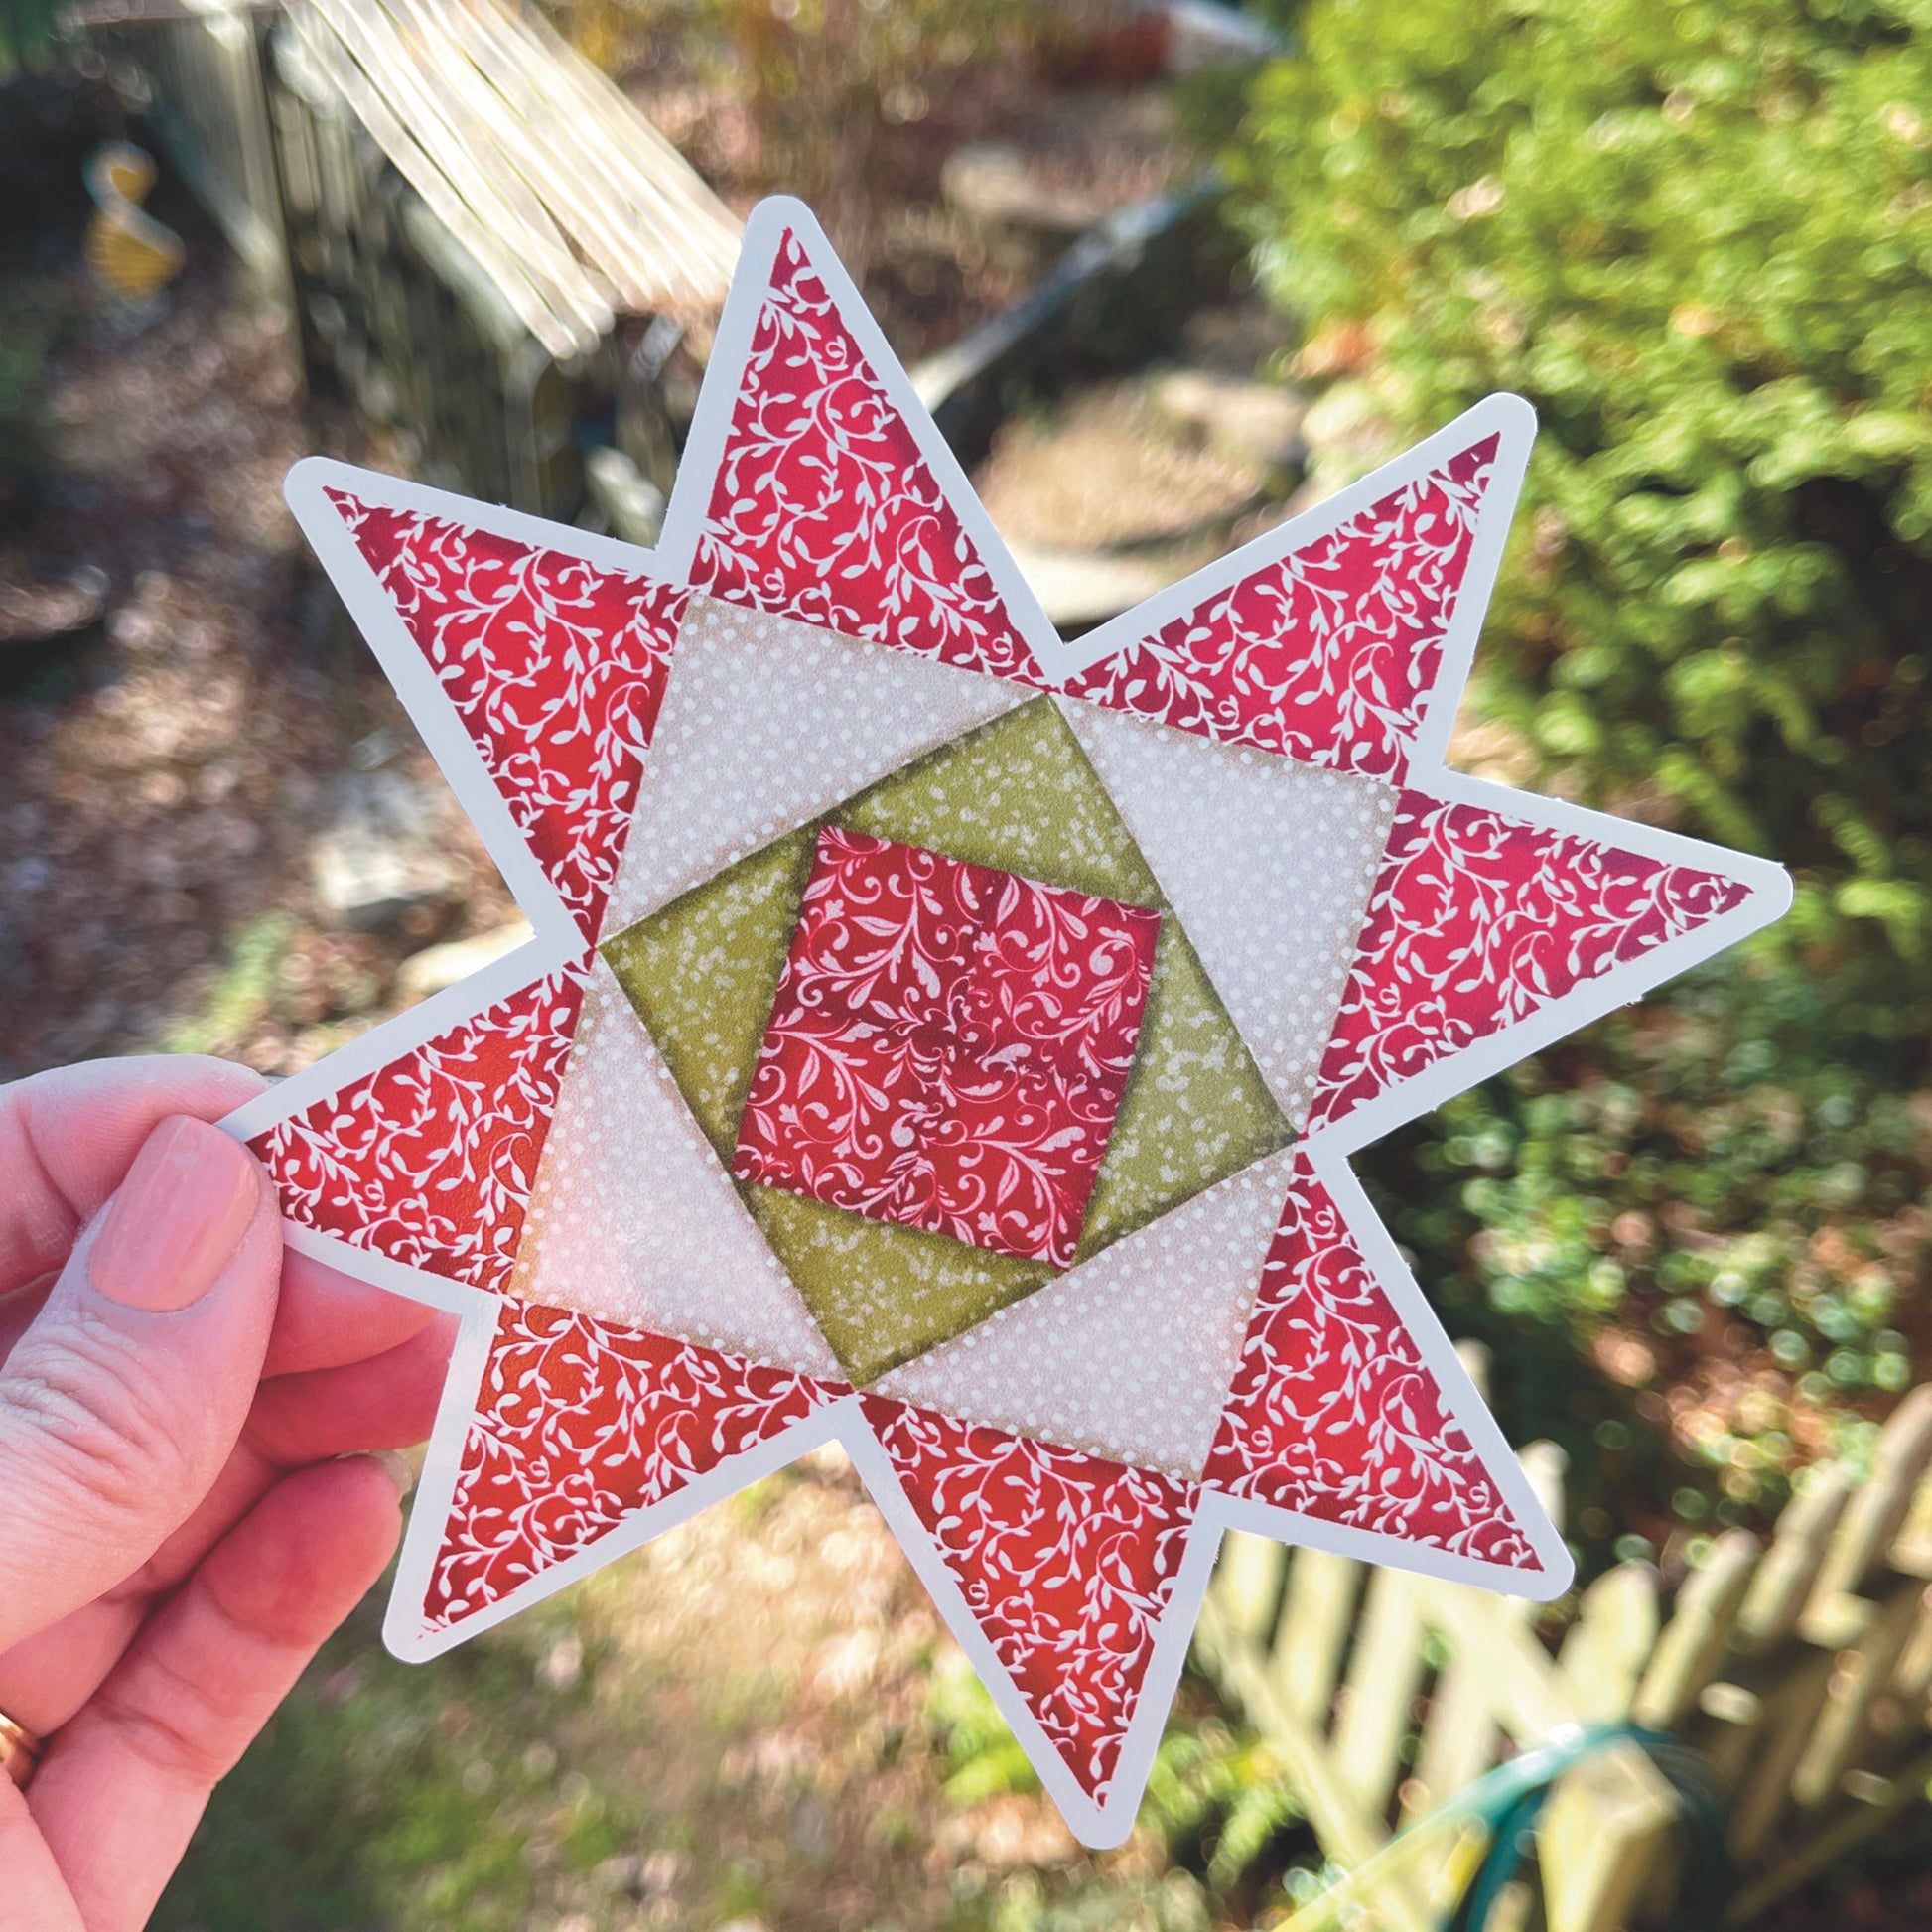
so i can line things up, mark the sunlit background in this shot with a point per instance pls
(1167, 275)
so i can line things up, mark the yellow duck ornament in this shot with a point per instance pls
(132, 256)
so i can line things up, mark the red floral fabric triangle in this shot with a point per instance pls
(1335, 1415)
(1477, 922)
(430, 1160)
(1328, 652)
(555, 667)
(1068, 1561)
(577, 1426)
(825, 507)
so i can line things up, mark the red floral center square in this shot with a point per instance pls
(948, 1047)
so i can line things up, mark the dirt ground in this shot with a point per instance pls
(167, 774)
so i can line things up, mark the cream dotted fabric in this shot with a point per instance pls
(633, 1220)
(768, 723)
(1130, 1356)
(1269, 863)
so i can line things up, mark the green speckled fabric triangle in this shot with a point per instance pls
(1017, 794)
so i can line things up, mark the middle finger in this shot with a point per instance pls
(386, 1402)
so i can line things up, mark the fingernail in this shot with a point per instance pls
(177, 1219)
(396, 1468)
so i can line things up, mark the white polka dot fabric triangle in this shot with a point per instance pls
(1130, 1355)
(633, 1220)
(766, 724)
(1269, 863)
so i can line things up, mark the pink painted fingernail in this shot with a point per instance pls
(178, 1218)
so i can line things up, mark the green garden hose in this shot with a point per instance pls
(1509, 1800)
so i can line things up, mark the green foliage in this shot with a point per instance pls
(1171, 1902)
(32, 311)
(28, 29)
(243, 991)
(1729, 1174)
(1698, 237)
(986, 1757)
(1214, 1793)
(21, 363)
(381, 1795)
(1219, 1790)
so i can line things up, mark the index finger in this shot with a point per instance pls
(66, 1138)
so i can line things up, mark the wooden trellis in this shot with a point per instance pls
(1801, 1670)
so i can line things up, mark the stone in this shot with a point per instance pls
(992, 181)
(379, 855)
(1251, 423)
(437, 967)
(1079, 589)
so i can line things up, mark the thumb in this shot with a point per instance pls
(122, 1401)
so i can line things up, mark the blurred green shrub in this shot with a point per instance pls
(1727, 1181)
(29, 324)
(26, 32)
(1698, 239)
(1216, 1797)
(21, 437)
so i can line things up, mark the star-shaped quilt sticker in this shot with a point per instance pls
(948, 1039)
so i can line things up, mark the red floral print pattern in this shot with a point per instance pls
(1476, 921)
(1326, 654)
(430, 1160)
(1068, 1561)
(825, 509)
(555, 666)
(578, 1426)
(1333, 1413)
(948, 1047)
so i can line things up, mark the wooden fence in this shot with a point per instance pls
(1800, 1671)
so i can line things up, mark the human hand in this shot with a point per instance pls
(185, 1514)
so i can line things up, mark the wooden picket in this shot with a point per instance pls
(1800, 1671)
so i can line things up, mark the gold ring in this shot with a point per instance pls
(20, 1749)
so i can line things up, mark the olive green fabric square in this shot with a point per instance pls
(702, 972)
(1017, 794)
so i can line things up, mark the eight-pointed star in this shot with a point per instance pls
(1362, 932)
